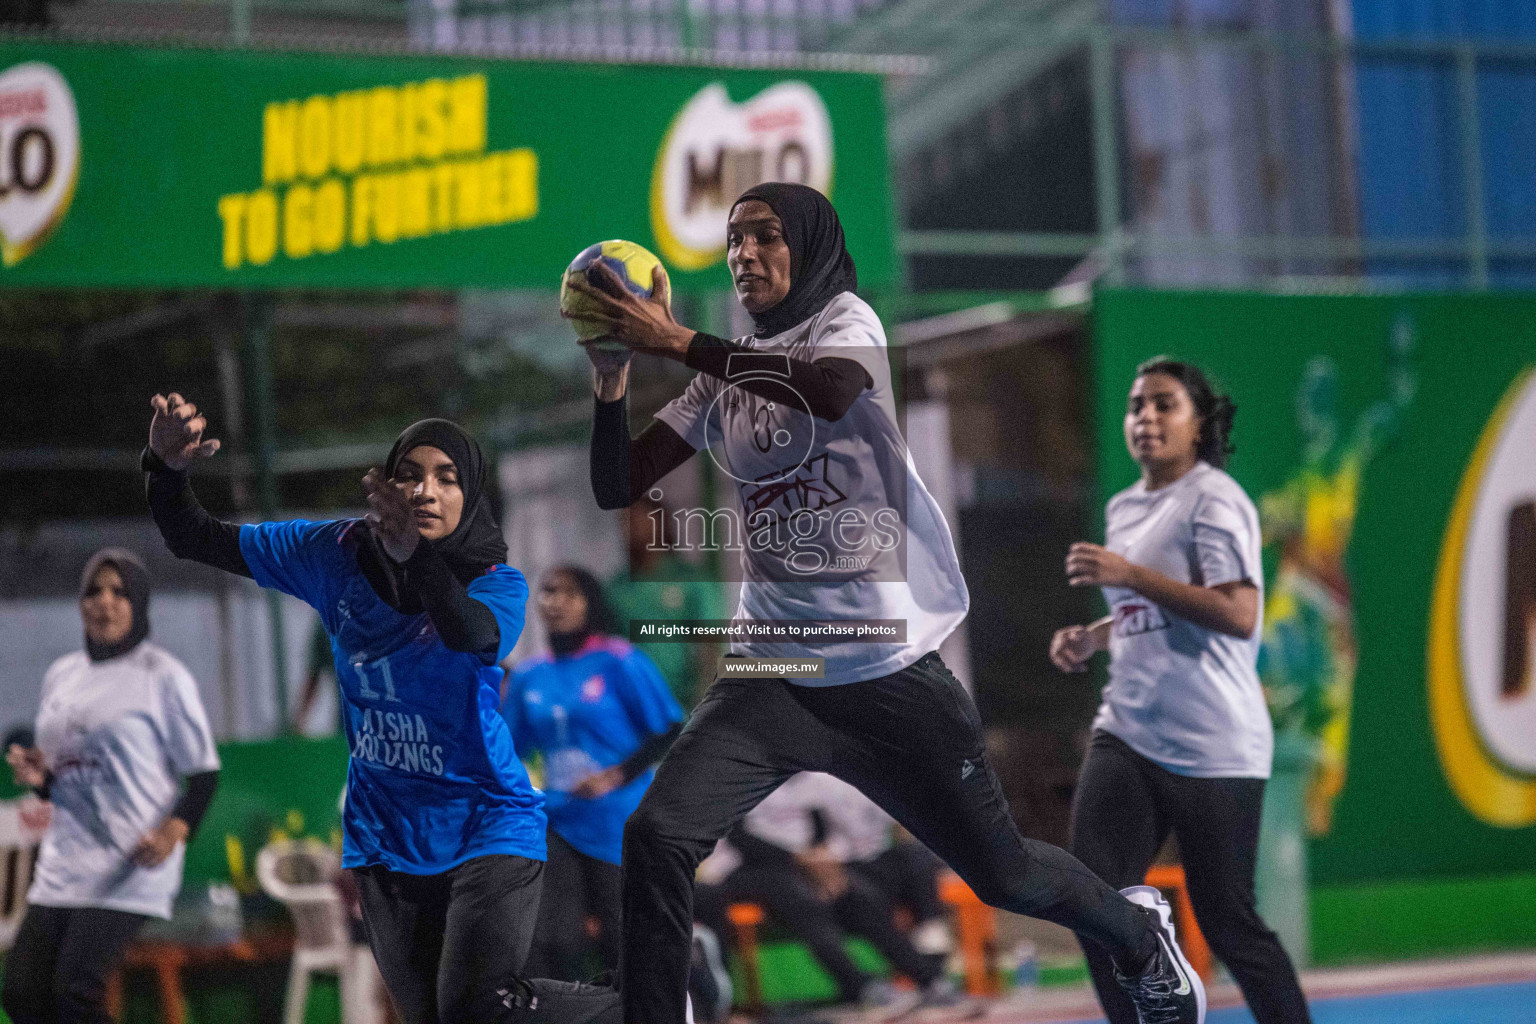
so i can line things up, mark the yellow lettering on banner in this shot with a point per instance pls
(315, 136)
(350, 116)
(232, 213)
(407, 125)
(426, 145)
(330, 219)
(279, 142)
(442, 197)
(298, 225)
(468, 195)
(261, 226)
(386, 207)
(362, 210)
(432, 116)
(383, 126)
(415, 203)
(466, 131)
(496, 196)
(521, 167)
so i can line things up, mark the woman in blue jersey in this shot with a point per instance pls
(442, 829)
(602, 715)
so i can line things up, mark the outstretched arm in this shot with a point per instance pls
(175, 440)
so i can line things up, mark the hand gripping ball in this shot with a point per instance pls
(634, 265)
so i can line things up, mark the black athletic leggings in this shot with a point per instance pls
(575, 886)
(911, 741)
(451, 946)
(56, 973)
(1124, 808)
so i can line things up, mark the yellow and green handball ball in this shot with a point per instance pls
(634, 265)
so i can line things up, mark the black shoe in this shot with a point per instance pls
(709, 983)
(1169, 992)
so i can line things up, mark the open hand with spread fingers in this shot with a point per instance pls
(644, 324)
(176, 432)
(392, 516)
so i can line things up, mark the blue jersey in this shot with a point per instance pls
(589, 711)
(433, 779)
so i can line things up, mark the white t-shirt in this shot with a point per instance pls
(118, 735)
(843, 503)
(1179, 694)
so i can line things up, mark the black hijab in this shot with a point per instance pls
(819, 265)
(136, 583)
(600, 617)
(474, 545)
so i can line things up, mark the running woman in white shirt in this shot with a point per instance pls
(838, 527)
(1182, 742)
(119, 730)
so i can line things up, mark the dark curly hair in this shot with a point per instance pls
(1215, 409)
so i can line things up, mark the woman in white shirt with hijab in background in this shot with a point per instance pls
(1182, 742)
(126, 758)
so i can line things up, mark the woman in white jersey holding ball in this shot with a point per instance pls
(838, 527)
(1182, 742)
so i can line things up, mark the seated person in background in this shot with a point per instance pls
(795, 850)
(905, 870)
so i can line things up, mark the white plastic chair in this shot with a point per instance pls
(22, 823)
(302, 876)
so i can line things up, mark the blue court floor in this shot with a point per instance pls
(1483, 1004)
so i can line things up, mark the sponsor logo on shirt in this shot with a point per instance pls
(810, 489)
(397, 740)
(1135, 617)
(592, 689)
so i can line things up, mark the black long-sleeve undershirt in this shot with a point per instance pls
(826, 387)
(463, 623)
(189, 531)
(622, 469)
(195, 799)
(649, 752)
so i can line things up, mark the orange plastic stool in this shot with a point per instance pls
(978, 934)
(1169, 878)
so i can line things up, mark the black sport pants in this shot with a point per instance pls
(1124, 808)
(451, 946)
(911, 741)
(56, 973)
(575, 886)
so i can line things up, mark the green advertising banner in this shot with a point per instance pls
(133, 167)
(1390, 445)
